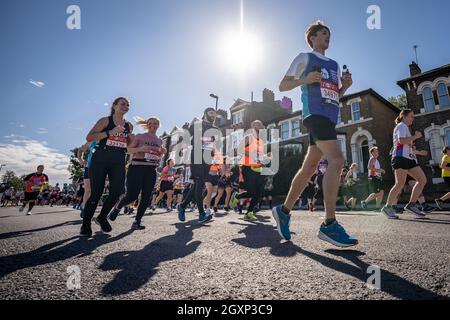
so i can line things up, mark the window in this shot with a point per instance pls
(285, 131)
(356, 111)
(271, 134)
(295, 128)
(238, 117)
(442, 92)
(447, 137)
(236, 138)
(436, 145)
(428, 100)
(339, 117)
(342, 146)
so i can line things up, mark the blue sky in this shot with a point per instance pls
(165, 56)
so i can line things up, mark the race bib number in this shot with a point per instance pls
(117, 142)
(330, 92)
(207, 143)
(152, 156)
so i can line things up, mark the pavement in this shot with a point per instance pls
(227, 258)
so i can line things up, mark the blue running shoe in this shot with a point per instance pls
(336, 235)
(181, 213)
(283, 221)
(204, 217)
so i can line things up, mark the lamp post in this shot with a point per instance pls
(212, 95)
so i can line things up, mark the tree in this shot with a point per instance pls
(75, 168)
(12, 180)
(399, 101)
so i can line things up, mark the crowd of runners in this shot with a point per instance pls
(121, 169)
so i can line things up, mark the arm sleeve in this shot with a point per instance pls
(298, 66)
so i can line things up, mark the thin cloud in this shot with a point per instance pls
(23, 155)
(42, 131)
(38, 84)
(22, 126)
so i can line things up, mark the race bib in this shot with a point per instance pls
(330, 92)
(117, 142)
(152, 156)
(207, 143)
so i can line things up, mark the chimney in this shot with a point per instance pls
(268, 96)
(414, 69)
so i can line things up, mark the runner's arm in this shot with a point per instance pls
(96, 133)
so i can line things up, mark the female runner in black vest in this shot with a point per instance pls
(114, 135)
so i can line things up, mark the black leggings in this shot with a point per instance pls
(254, 186)
(139, 179)
(105, 163)
(199, 173)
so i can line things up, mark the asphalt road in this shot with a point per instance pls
(225, 259)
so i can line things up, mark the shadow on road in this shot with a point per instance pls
(260, 235)
(55, 252)
(14, 234)
(427, 220)
(136, 268)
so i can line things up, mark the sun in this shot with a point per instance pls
(241, 51)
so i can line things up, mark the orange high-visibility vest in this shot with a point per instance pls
(254, 149)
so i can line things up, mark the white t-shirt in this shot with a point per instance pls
(376, 164)
(298, 66)
(402, 150)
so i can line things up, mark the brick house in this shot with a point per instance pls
(427, 95)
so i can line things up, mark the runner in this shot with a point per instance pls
(34, 182)
(375, 180)
(268, 192)
(147, 151)
(224, 184)
(178, 187)
(166, 186)
(8, 196)
(84, 155)
(318, 183)
(199, 167)
(322, 88)
(251, 164)
(445, 166)
(351, 187)
(54, 195)
(113, 134)
(404, 163)
(212, 180)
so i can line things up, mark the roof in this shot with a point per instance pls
(430, 73)
(372, 92)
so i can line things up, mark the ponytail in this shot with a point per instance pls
(403, 114)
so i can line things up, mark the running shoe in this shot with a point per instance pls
(29, 213)
(415, 210)
(227, 209)
(398, 209)
(283, 221)
(250, 216)
(364, 205)
(113, 214)
(427, 208)
(234, 201)
(104, 224)
(215, 209)
(85, 231)
(389, 212)
(153, 207)
(137, 225)
(204, 217)
(439, 203)
(336, 235)
(347, 206)
(181, 213)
